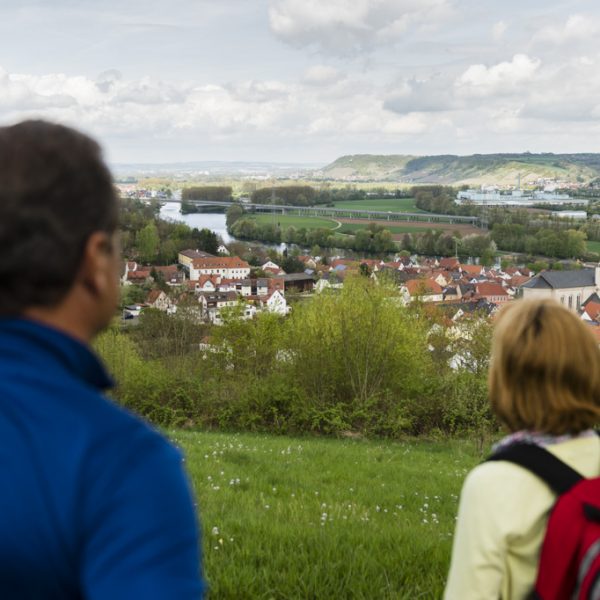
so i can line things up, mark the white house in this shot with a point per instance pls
(226, 267)
(276, 303)
(270, 265)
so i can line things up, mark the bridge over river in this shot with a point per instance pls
(345, 213)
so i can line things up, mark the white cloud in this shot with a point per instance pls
(501, 79)
(350, 26)
(320, 107)
(577, 28)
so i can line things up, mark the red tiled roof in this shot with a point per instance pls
(593, 310)
(488, 288)
(449, 263)
(153, 296)
(471, 269)
(220, 262)
(417, 287)
(139, 274)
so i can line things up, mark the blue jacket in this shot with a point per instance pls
(94, 504)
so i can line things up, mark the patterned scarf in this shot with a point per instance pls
(539, 439)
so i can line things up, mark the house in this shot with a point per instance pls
(223, 250)
(570, 288)
(249, 287)
(472, 271)
(492, 292)
(270, 266)
(298, 282)
(135, 274)
(451, 293)
(276, 303)
(211, 304)
(449, 264)
(333, 280)
(230, 267)
(172, 274)
(426, 290)
(307, 261)
(591, 312)
(159, 300)
(208, 283)
(440, 278)
(185, 257)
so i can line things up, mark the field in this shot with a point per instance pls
(593, 246)
(313, 518)
(398, 228)
(391, 204)
(349, 227)
(296, 221)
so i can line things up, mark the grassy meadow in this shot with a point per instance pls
(391, 204)
(593, 246)
(314, 518)
(296, 221)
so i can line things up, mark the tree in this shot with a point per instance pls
(291, 264)
(148, 242)
(361, 353)
(206, 240)
(234, 212)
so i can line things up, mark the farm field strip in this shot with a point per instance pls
(416, 226)
(391, 204)
(296, 221)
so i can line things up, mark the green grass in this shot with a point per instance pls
(353, 227)
(296, 221)
(320, 519)
(391, 204)
(593, 246)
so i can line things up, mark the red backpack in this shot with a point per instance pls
(569, 566)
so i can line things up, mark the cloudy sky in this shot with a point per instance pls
(306, 80)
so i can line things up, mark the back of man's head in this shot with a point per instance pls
(55, 192)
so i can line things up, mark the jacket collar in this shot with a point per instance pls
(37, 341)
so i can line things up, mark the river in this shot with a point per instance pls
(214, 221)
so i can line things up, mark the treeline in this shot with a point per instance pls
(556, 243)
(294, 195)
(436, 242)
(148, 239)
(353, 361)
(215, 193)
(440, 199)
(306, 195)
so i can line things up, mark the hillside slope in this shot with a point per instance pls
(476, 169)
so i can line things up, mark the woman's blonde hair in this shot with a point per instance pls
(545, 369)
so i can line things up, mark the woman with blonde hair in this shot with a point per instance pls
(544, 386)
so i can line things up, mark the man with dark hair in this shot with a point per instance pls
(93, 503)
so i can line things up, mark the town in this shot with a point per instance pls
(214, 283)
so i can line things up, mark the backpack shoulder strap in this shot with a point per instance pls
(558, 475)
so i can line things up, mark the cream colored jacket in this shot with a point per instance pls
(501, 523)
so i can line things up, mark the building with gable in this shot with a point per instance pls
(570, 288)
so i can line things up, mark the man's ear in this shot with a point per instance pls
(96, 270)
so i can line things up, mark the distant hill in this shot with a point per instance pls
(476, 169)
